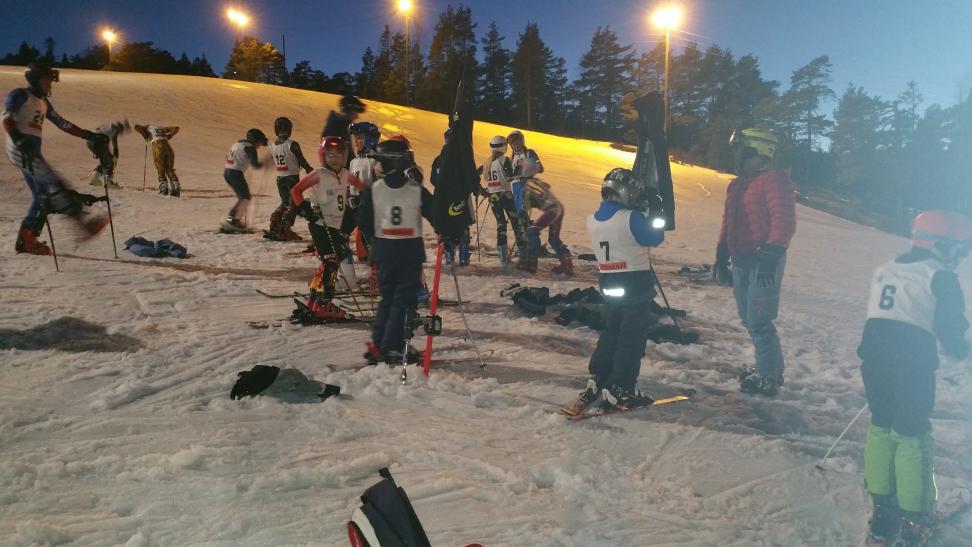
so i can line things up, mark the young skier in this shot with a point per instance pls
(163, 155)
(289, 160)
(107, 155)
(537, 194)
(498, 172)
(338, 123)
(242, 156)
(364, 137)
(329, 227)
(392, 214)
(621, 237)
(916, 303)
(25, 110)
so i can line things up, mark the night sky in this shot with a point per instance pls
(876, 44)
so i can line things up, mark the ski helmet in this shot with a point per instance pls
(329, 144)
(283, 127)
(256, 137)
(515, 136)
(394, 154)
(369, 130)
(35, 72)
(623, 186)
(947, 234)
(529, 166)
(498, 144)
(763, 142)
(350, 103)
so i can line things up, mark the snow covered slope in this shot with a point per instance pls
(117, 428)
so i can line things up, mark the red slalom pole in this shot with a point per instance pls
(433, 305)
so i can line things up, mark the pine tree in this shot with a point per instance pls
(529, 76)
(494, 78)
(605, 78)
(451, 58)
(365, 81)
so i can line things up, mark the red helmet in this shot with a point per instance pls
(330, 144)
(933, 227)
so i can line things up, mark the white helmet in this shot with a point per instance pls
(498, 144)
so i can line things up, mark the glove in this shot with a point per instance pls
(767, 260)
(28, 150)
(495, 197)
(414, 174)
(253, 381)
(64, 201)
(88, 199)
(307, 212)
(354, 201)
(95, 138)
(720, 271)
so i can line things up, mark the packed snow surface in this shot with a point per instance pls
(117, 427)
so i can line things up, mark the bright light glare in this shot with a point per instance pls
(109, 35)
(237, 17)
(667, 18)
(404, 6)
(614, 292)
(658, 223)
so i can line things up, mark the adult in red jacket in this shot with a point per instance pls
(758, 223)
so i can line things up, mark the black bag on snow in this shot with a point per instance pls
(386, 518)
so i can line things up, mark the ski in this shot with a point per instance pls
(246, 231)
(683, 396)
(269, 294)
(344, 296)
(577, 407)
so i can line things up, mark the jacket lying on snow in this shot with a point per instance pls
(162, 248)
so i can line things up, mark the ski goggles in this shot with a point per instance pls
(333, 146)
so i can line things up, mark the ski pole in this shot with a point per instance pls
(661, 291)
(144, 166)
(462, 313)
(50, 236)
(479, 248)
(841, 436)
(111, 222)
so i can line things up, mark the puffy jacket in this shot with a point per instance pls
(759, 211)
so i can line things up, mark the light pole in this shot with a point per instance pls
(239, 19)
(109, 36)
(405, 7)
(667, 18)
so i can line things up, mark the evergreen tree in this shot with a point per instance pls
(861, 122)
(253, 61)
(302, 75)
(605, 78)
(201, 67)
(494, 78)
(383, 65)
(530, 62)
(809, 86)
(366, 78)
(183, 65)
(451, 58)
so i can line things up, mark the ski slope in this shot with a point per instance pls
(117, 427)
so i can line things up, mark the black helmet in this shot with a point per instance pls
(622, 184)
(39, 70)
(350, 103)
(256, 137)
(283, 126)
(394, 155)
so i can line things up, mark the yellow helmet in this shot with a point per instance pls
(761, 140)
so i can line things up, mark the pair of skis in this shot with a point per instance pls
(577, 412)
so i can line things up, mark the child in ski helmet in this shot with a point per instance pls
(538, 195)
(107, 152)
(916, 305)
(288, 160)
(498, 174)
(364, 137)
(163, 155)
(329, 224)
(242, 156)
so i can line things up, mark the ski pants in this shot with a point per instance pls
(41, 180)
(758, 307)
(503, 207)
(898, 453)
(284, 213)
(399, 283)
(616, 361)
(332, 248)
(165, 161)
(552, 219)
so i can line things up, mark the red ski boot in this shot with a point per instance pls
(28, 243)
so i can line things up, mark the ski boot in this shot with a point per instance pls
(163, 188)
(175, 189)
(566, 266)
(916, 529)
(373, 353)
(287, 234)
(885, 523)
(94, 179)
(27, 242)
(394, 357)
(448, 253)
(504, 254)
(423, 296)
(615, 398)
(585, 399)
(528, 263)
(273, 232)
(755, 383)
(233, 226)
(464, 253)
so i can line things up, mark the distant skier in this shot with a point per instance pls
(451, 244)
(288, 160)
(163, 155)
(537, 194)
(915, 303)
(25, 110)
(520, 153)
(338, 123)
(392, 214)
(758, 223)
(621, 237)
(498, 173)
(329, 225)
(107, 155)
(242, 156)
(364, 138)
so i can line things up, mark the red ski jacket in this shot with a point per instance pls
(759, 211)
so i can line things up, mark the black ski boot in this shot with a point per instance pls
(163, 188)
(885, 523)
(615, 398)
(753, 382)
(585, 399)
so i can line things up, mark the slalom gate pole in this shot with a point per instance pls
(462, 313)
(841, 436)
(50, 235)
(144, 166)
(661, 291)
(111, 222)
(479, 248)
(433, 305)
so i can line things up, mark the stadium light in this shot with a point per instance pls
(667, 18)
(109, 36)
(405, 7)
(239, 19)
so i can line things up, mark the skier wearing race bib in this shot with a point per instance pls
(288, 159)
(25, 110)
(163, 155)
(329, 225)
(364, 137)
(392, 214)
(107, 155)
(621, 237)
(498, 173)
(242, 156)
(916, 303)
(537, 194)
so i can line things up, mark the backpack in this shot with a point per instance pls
(386, 518)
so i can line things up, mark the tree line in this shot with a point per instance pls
(127, 57)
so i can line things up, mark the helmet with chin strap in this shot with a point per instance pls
(623, 186)
(947, 234)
